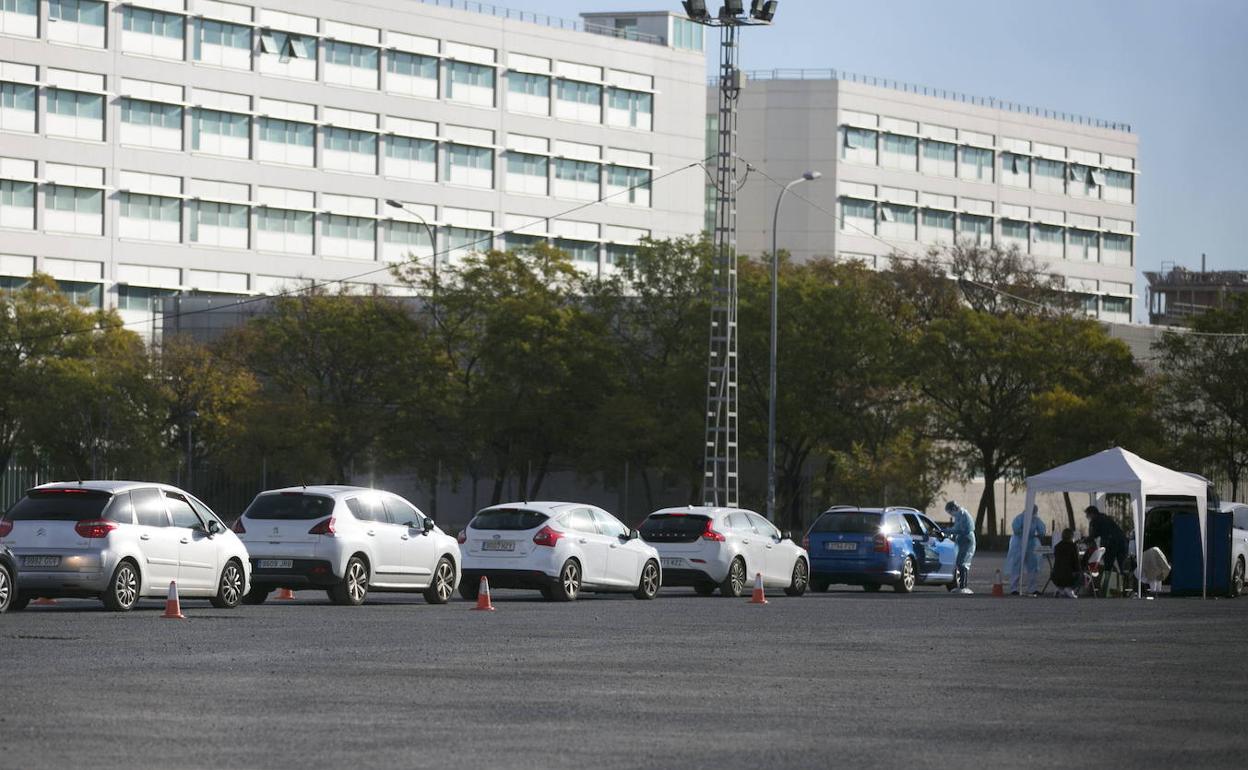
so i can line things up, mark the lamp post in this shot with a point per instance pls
(809, 176)
(433, 240)
(191, 417)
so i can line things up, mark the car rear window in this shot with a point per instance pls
(59, 505)
(289, 506)
(507, 518)
(848, 522)
(673, 528)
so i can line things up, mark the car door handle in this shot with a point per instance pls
(582, 541)
(745, 542)
(370, 533)
(769, 547)
(145, 537)
(613, 545)
(404, 537)
(184, 540)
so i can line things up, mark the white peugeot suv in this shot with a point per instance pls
(724, 548)
(119, 541)
(347, 540)
(560, 549)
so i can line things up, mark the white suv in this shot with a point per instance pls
(560, 549)
(119, 541)
(724, 548)
(347, 540)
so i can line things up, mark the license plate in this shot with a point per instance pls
(672, 562)
(41, 561)
(840, 546)
(498, 545)
(274, 563)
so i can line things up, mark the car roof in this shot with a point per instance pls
(335, 491)
(548, 507)
(713, 511)
(112, 486)
(861, 509)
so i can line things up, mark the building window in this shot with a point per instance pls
(938, 158)
(686, 35)
(151, 124)
(1116, 249)
(898, 222)
(517, 242)
(219, 224)
(19, 17)
(349, 150)
(17, 107)
(1016, 234)
(150, 217)
(142, 298)
(1119, 187)
(976, 164)
(1116, 309)
(619, 253)
(467, 165)
(1015, 170)
(901, 152)
(462, 241)
(1082, 244)
(286, 141)
(628, 185)
(73, 210)
(152, 33)
(1082, 185)
(1050, 176)
(415, 159)
(577, 180)
(223, 44)
(405, 240)
(528, 174)
(528, 93)
(287, 54)
(350, 237)
(857, 216)
(977, 230)
(80, 22)
(578, 101)
(347, 64)
(584, 252)
(1049, 241)
(83, 293)
(470, 83)
(17, 204)
(412, 74)
(284, 230)
(221, 133)
(937, 226)
(74, 114)
(858, 145)
(630, 109)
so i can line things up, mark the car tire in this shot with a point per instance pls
(734, 582)
(353, 589)
(1237, 579)
(443, 583)
(705, 589)
(19, 602)
(547, 592)
(649, 582)
(257, 595)
(229, 588)
(801, 579)
(122, 592)
(468, 589)
(8, 591)
(819, 586)
(905, 584)
(568, 587)
(871, 587)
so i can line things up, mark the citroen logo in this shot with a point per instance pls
(41, 532)
(496, 537)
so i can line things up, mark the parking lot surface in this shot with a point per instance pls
(842, 679)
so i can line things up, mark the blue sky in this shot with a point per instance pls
(1176, 71)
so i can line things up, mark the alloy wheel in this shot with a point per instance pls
(126, 586)
(738, 578)
(907, 575)
(232, 584)
(443, 579)
(6, 589)
(650, 579)
(799, 576)
(571, 580)
(357, 582)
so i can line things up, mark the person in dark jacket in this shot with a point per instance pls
(1103, 529)
(1066, 569)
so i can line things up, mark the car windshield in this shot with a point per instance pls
(289, 505)
(848, 522)
(668, 526)
(507, 519)
(59, 505)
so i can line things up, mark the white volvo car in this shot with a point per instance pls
(119, 541)
(348, 541)
(560, 549)
(724, 548)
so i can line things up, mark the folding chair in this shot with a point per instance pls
(1092, 571)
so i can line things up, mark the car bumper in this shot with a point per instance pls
(509, 578)
(681, 576)
(854, 571)
(302, 572)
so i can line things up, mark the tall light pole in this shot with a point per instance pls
(809, 176)
(720, 480)
(433, 240)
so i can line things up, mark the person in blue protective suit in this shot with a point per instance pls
(1023, 554)
(963, 535)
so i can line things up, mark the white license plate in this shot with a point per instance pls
(840, 546)
(498, 545)
(41, 561)
(672, 562)
(274, 563)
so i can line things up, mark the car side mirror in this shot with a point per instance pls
(214, 528)
(428, 525)
(633, 534)
(786, 535)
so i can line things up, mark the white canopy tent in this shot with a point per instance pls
(1117, 471)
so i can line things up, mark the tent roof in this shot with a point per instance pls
(1116, 470)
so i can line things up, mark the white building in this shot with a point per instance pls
(906, 167)
(205, 147)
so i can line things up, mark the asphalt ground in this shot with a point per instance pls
(842, 679)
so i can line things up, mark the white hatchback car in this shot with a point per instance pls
(724, 548)
(122, 540)
(347, 540)
(560, 549)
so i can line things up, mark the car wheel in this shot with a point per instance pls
(442, 586)
(123, 589)
(547, 592)
(569, 585)
(19, 602)
(648, 585)
(734, 584)
(6, 588)
(905, 584)
(257, 595)
(797, 586)
(1237, 579)
(353, 589)
(705, 589)
(230, 587)
(871, 587)
(468, 589)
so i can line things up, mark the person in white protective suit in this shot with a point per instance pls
(1023, 554)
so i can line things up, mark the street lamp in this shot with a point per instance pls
(191, 417)
(433, 241)
(809, 176)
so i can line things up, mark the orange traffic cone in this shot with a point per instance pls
(285, 594)
(998, 589)
(173, 610)
(44, 601)
(483, 596)
(758, 597)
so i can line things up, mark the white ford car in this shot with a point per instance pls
(119, 541)
(348, 541)
(560, 549)
(724, 548)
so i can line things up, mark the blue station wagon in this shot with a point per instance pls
(872, 547)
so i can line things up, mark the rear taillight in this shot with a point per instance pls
(5, 527)
(325, 527)
(462, 537)
(710, 534)
(238, 528)
(94, 528)
(547, 537)
(806, 542)
(879, 544)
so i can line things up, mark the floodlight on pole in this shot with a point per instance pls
(696, 10)
(764, 10)
(433, 239)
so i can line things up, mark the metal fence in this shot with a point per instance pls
(546, 21)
